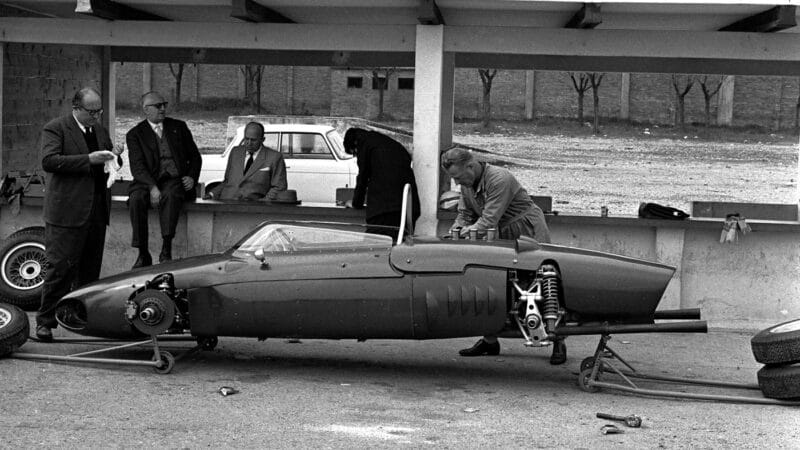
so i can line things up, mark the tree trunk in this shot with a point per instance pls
(708, 112)
(596, 111)
(580, 107)
(487, 75)
(679, 119)
(178, 75)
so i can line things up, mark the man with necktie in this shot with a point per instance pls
(165, 165)
(254, 172)
(77, 202)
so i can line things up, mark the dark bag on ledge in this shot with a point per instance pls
(656, 211)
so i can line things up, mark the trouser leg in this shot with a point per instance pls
(62, 248)
(138, 205)
(169, 209)
(91, 260)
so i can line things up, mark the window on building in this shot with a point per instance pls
(377, 81)
(405, 83)
(355, 82)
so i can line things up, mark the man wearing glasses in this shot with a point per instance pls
(492, 198)
(254, 172)
(165, 165)
(77, 202)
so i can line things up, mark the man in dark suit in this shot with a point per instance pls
(253, 172)
(77, 202)
(384, 168)
(165, 165)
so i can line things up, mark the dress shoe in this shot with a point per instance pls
(43, 333)
(165, 255)
(559, 355)
(481, 348)
(143, 260)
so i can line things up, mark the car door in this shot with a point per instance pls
(312, 169)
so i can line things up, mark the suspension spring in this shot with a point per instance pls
(551, 291)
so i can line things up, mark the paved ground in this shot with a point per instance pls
(381, 394)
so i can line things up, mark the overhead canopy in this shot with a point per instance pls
(755, 37)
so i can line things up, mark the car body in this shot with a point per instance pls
(316, 163)
(317, 280)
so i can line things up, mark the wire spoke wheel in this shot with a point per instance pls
(23, 267)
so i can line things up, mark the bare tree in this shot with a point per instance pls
(682, 87)
(581, 85)
(710, 89)
(252, 85)
(380, 77)
(487, 75)
(595, 79)
(177, 73)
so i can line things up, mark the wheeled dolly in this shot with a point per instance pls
(162, 362)
(605, 361)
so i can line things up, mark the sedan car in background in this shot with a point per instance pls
(316, 163)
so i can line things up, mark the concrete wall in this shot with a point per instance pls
(750, 284)
(39, 82)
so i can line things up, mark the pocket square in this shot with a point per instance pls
(265, 169)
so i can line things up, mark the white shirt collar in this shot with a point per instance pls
(154, 125)
(83, 128)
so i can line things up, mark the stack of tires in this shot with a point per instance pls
(22, 269)
(778, 348)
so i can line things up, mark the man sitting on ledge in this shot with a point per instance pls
(254, 172)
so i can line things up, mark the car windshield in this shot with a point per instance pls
(338, 147)
(284, 238)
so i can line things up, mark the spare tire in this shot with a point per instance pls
(14, 328)
(778, 344)
(780, 381)
(22, 268)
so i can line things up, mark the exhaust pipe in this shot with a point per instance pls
(681, 314)
(699, 326)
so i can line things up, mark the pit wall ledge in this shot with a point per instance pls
(748, 284)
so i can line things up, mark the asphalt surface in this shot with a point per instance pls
(384, 394)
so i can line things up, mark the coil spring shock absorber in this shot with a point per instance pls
(551, 292)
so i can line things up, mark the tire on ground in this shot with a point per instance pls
(22, 268)
(778, 344)
(14, 328)
(782, 382)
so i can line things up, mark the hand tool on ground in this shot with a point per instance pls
(632, 421)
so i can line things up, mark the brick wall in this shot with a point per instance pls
(762, 101)
(765, 101)
(363, 101)
(39, 82)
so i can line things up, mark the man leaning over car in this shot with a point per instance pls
(492, 198)
(254, 171)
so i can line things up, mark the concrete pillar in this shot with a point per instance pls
(625, 96)
(147, 77)
(197, 86)
(433, 118)
(669, 250)
(796, 178)
(290, 89)
(108, 90)
(530, 94)
(725, 99)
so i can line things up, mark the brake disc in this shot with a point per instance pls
(154, 312)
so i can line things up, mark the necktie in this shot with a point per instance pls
(248, 163)
(158, 130)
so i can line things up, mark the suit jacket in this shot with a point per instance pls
(384, 167)
(145, 158)
(69, 185)
(266, 177)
